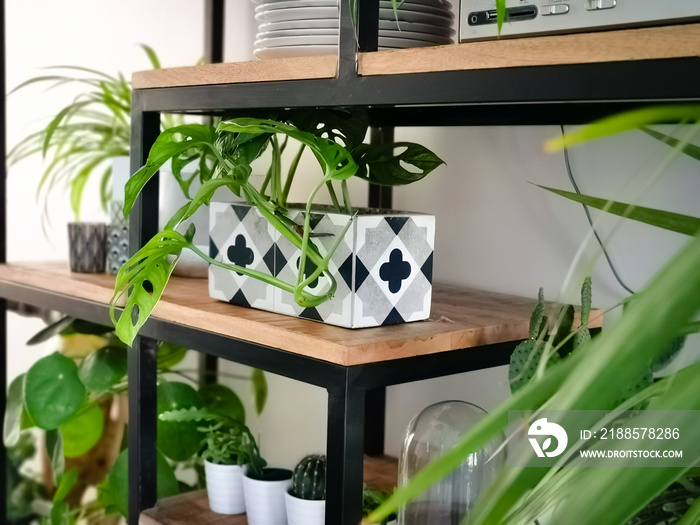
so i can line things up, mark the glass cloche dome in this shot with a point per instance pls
(430, 434)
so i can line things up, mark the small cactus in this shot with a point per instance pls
(309, 478)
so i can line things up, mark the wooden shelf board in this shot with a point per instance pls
(648, 43)
(297, 68)
(380, 473)
(461, 318)
(676, 41)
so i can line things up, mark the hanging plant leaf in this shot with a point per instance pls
(83, 432)
(51, 330)
(103, 368)
(53, 393)
(346, 126)
(220, 399)
(170, 143)
(166, 483)
(674, 222)
(177, 441)
(394, 164)
(14, 407)
(691, 150)
(80, 326)
(259, 389)
(168, 355)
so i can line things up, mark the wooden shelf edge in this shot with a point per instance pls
(648, 43)
(380, 473)
(462, 318)
(297, 68)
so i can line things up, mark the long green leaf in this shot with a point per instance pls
(675, 222)
(500, 14)
(591, 379)
(626, 121)
(689, 149)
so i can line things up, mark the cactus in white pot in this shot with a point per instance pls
(306, 498)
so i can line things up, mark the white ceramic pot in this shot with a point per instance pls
(225, 488)
(264, 500)
(171, 199)
(305, 511)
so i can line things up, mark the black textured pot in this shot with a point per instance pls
(87, 246)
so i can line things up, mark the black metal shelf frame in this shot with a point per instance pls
(537, 95)
(551, 94)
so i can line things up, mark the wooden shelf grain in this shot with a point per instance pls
(461, 318)
(677, 41)
(380, 473)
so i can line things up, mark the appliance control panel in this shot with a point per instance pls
(477, 19)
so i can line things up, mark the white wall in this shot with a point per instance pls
(495, 231)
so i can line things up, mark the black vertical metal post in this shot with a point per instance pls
(375, 416)
(347, 41)
(142, 427)
(346, 405)
(368, 26)
(142, 354)
(213, 53)
(3, 254)
(381, 196)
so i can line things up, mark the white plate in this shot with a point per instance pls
(395, 33)
(318, 23)
(297, 13)
(332, 23)
(323, 41)
(302, 40)
(297, 32)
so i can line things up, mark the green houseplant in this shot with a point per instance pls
(597, 376)
(334, 137)
(226, 447)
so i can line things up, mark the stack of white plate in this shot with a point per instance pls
(288, 28)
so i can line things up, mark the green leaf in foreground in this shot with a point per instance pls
(667, 220)
(691, 150)
(66, 483)
(591, 378)
(628, 120)
(53, 393)
(166, 483)
(394, 164)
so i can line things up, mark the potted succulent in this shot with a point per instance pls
(306, 498)
(309, 253)
(227, 447)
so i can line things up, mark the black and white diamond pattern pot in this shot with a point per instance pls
(383, 266)
(87, 246)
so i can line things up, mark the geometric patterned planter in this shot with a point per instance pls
(87, 246)
(383, 266)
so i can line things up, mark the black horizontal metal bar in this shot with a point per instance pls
(313, 371)
(601, 83)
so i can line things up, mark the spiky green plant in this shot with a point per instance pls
(595, 377)
(309, 478)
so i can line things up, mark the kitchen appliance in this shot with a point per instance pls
(544, 17)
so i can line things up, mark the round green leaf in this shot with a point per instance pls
(169, 355)
(166, 483)
(222, 400)
(103, 368)
(82, 433)
(53, 392)
(178, 441)
(13, 412)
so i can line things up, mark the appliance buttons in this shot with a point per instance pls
(555, 9)
(597, 5)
